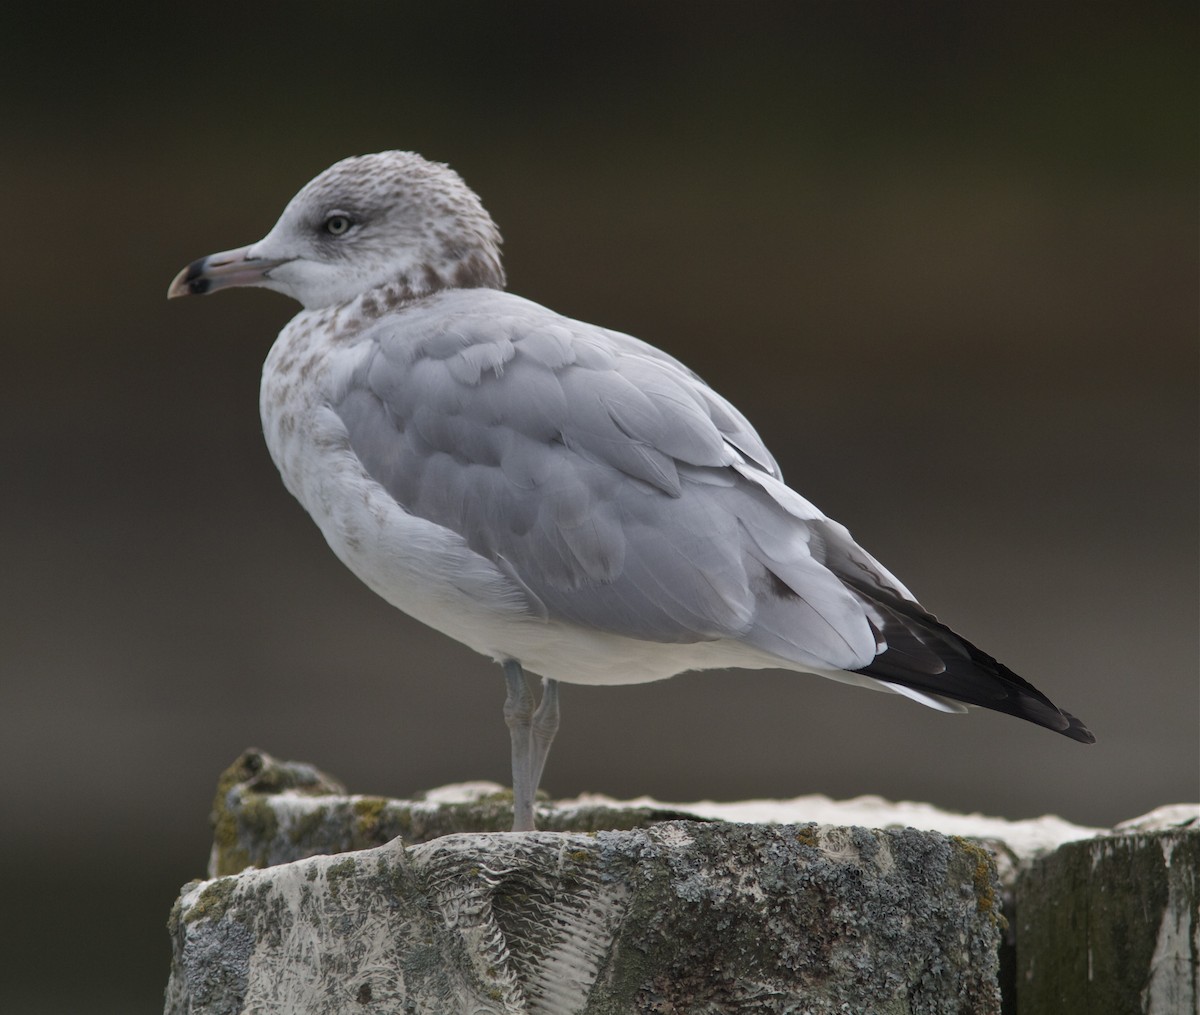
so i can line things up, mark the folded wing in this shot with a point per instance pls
(621, 493)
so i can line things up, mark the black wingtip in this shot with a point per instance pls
(925, 654)
(1077, 731)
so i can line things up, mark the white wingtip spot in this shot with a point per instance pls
(928, 700)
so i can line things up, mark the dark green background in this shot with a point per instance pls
(944, 255)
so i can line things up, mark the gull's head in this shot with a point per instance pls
(392, 218)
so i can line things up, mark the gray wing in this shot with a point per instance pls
(621, 493)
(606, 479)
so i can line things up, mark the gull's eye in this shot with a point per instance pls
(337, 224)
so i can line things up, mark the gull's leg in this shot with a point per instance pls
(518, 714)
(545, 725)
(532, 734)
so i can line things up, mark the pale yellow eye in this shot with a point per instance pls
(337, 225)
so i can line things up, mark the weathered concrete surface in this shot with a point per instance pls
(267, 812)
(680, 917)
(1111, 926)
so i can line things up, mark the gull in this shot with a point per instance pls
(566, 499)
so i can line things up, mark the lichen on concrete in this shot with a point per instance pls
(682, 916)
(363, 903)
(269, 812)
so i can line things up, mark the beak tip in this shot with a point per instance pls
(192, 281)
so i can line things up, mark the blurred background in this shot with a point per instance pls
(944, 256)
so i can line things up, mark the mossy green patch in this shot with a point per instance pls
(982, 877)
(258, 824)
(213, 901)
(306, 826)
(230, 855)
(337, 874)
(807, 836)
(368, 811)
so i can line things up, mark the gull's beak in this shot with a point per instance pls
(222, 271)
